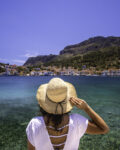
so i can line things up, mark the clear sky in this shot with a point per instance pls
(42, 27)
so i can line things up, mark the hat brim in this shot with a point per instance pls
(50, 106)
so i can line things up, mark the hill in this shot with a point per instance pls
(100, 52)
(92, 44)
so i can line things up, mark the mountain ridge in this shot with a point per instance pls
(94, 44)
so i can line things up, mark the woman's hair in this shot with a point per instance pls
(55, 118)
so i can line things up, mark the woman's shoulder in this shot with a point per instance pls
(37, 119)
(76, 115)
(35, 122)
(78, 118)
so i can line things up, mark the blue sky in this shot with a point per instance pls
(42, 27)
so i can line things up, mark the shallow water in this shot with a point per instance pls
(18, 105)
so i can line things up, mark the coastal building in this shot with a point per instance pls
(84, 72)
(11, 70)
(1, 66)
(48, 73)
(8, 72)
(34, 73)
(37, 69)
(83, 67)
(111, 72)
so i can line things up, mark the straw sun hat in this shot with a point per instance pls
(54, 96)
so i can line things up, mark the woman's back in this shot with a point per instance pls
(58, 137)
(39, 135)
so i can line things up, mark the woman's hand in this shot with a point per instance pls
(79, 103)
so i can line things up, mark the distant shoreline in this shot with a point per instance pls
(59, 75)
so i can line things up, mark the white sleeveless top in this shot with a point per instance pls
(38, 136)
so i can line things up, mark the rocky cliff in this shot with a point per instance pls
(93, 44)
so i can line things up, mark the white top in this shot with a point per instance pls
(38, 136)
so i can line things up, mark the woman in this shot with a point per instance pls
(56, 129)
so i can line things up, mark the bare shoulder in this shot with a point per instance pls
(78, 117)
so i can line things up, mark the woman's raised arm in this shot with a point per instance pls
(97, 125)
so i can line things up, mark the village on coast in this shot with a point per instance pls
(14, 70)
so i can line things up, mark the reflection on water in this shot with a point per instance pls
(18, 105)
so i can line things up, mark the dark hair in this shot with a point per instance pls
(55, 118)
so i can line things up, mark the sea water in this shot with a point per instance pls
(18, 105)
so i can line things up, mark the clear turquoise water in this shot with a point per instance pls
(18, 103)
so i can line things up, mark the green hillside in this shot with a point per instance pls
(99, 52)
